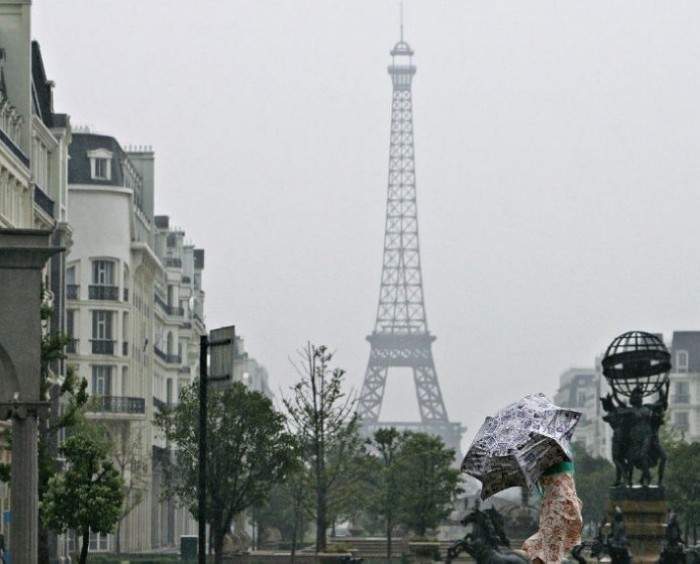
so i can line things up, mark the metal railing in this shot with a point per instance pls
(680, 398)
(102, 346)
(173, 262)
(5, 138)
(169, 358)
(72, 346)
(126, 294)
(125, 348)
(72, 291)
(118, 404)
(42, 200)
(160, 404)
(170, 310)
(99, 292)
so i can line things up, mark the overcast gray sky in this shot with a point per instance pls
(557, 169)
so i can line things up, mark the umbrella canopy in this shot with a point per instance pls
(518, 443)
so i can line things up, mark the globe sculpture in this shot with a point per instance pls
(636, 366)
(637, 362)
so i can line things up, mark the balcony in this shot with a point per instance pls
(125, 348)
(102, 346)
(170, 310)
(72, 346)
(160, 404)
(98, 292)
(72, 291)
(173, 262)
(42, 200)
(118, 404)
(680, 399)
(126, 294)
(10, 144)
(169, 358)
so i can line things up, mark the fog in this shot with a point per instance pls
(556, 154)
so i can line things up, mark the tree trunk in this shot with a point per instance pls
(218, 545)
(389, 526)
(85, 547)
(117, 539)
(321, 524)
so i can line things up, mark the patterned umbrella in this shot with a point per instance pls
(521, 441)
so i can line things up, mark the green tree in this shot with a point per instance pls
(88, 495)
(387, 443)
(427, 480)
(278, 511)
(323, 419)
(683, 484)
(594, 476)
(248, 450)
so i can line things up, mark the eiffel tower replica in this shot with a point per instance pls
(401, 337)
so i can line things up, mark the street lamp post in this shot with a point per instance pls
(222, 362)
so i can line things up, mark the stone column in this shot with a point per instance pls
(23, 253)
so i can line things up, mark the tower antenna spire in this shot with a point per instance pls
(401, 17)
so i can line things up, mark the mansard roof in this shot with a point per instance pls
(688, 341)
(42, 88)
(79, 163)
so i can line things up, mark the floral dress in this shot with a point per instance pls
(560, 520)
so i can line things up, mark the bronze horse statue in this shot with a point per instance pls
(485, 540)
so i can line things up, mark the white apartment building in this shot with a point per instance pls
(580, 389)
(134, 309)
(684, 393)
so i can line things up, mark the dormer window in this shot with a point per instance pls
(681, 361)
(100, 164)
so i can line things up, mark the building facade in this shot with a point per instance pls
(135, 312)
(684, 392)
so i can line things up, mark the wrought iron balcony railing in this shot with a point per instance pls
(102, 346)
(72, 291)
(680, 398)
(98, 292)
(118, 404)
(173, 262)
(72, 346)
(169, 358)
(43, 200)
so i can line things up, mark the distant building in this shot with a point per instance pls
(135, 312)
(580, 389)
(684, 393)
(247, 370)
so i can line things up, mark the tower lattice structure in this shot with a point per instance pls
(401, 337)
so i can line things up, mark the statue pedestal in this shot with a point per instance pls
(645, 512)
